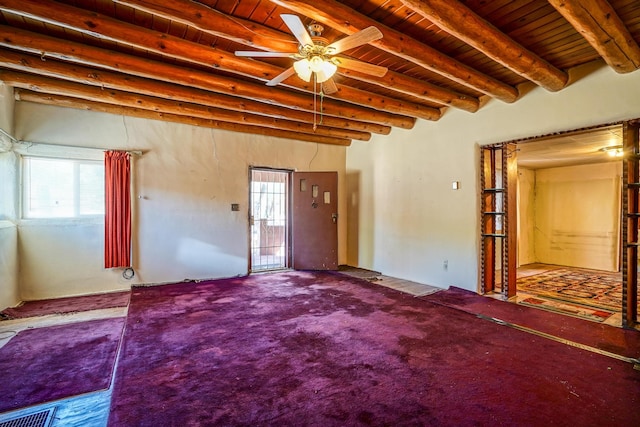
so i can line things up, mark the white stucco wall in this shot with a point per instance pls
(6, 108)
(9, 263)
(407, 218)
(9, 293)
(185, 183)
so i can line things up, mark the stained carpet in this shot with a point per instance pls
(620, 341)
(67, 305)
(324, 349)
(46, 364)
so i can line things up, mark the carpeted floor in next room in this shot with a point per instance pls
(327, 349)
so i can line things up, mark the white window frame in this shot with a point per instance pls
(77, 155)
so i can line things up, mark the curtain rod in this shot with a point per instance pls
(31, 143)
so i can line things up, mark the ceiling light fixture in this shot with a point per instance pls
(613, 150)
(315, 57)
(322, 68)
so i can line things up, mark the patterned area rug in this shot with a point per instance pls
(593, 314)
(598, 289)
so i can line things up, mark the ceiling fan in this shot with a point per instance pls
(316, 57)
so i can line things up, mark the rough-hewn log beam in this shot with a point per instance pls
(458, 20)
(80, 104)
(104, 27)
(49, 47)
(126, 99)
(418, 88)
(262, 37)
(342, 18)
(601, 26)
(105, 79)
(216, 23)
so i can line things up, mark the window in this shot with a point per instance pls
(62, 188)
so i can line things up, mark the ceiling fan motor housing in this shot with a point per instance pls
(315, 29)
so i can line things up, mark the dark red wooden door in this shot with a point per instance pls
(315, 220)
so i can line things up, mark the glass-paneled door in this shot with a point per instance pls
(269, 219)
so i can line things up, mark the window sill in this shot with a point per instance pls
(62, 221)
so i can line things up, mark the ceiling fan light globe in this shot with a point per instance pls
(316, 63)
(326, 72)
(329, 68)
(303, 69)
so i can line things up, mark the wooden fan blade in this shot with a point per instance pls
(259, 54)
(359, 66)
(282, 76)
(329, 87)
(297, 29)
(365, 36)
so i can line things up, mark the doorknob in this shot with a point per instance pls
(334, 218)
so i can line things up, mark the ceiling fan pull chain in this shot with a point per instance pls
(315, 101)
(321, 102)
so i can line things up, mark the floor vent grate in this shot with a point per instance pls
(38, 419)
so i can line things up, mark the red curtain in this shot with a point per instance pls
(117, 221)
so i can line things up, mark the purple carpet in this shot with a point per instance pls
(45, 364)
(604, 337)
(323, 349)
(67, 305)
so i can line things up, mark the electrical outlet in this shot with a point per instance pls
(445, 265)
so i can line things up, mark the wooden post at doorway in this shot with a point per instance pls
(498, 212)
(631, 208)
(488, 214)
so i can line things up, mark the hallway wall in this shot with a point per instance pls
(577, 213)
(526, 216)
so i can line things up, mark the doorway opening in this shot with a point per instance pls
(575, 196)
(269, 219)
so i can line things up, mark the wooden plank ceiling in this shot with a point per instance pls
(174, 59)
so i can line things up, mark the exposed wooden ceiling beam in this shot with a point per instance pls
(126, 99)
(348, 21)
(420, 89)
(81, 104)
(458, 20)
(262, 37)
(76, 73)
(104, 27)
(601, 26)
(49, 47)
(218, 24)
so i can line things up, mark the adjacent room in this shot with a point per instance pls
(569, 199)
(328, 213)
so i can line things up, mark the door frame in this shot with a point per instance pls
(629, 214)
(288, 211)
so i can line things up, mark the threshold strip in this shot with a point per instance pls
(635, 362)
